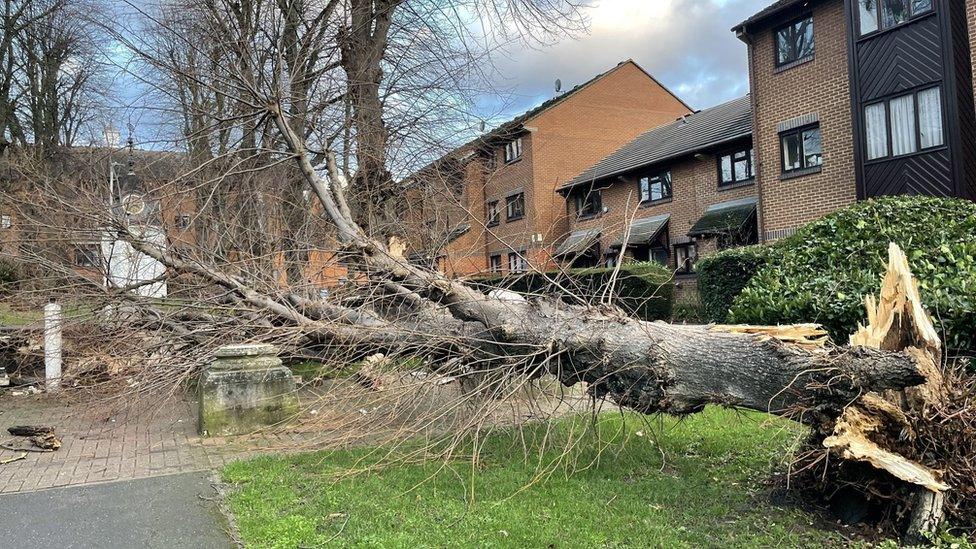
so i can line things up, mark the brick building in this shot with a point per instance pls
(859, 98)
(677, 191)
(62, 230)
(491, 205)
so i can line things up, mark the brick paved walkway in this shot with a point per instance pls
(159, 438)
(97, 447)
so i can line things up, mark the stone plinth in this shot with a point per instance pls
(244, 389)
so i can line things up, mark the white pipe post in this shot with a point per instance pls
(52, 346)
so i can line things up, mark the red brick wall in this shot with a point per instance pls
(559, 143)
(588, 127)
(820, 86)
(694, 184)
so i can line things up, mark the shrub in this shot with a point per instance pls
(11, 273)
(644, 290)
(821, 273)
(723, 275)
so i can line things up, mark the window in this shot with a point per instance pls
(904, 124)
(875, 15)
(655, 187)
(494, 216)
(183, 221)
(495, 263)
(6, 222)
(513, 150)
(876, 130)
(515, 207)
(736, 167)
(794, 42)
(930, 118)
(589, 204)
(517, 262)
(684, 257)
(902, 111)
(801, 149)
(87, 255)
(658, 255)
(491, 160)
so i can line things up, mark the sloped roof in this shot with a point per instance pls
(577, 242)
(644, 230)
(769, 11)
(725, 217)
(513, 125)
(726, 122)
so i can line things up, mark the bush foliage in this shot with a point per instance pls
(11, 273)
(645, 290)
(821, 273)
(722, 276)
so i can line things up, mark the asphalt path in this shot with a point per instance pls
(172, 512)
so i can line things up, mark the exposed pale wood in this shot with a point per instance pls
(897, 321)
(850, 440)
(812, 335)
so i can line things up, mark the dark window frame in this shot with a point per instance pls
(782, 150)
(878, 18)
(515, 154)
(509, 201)
(689, 266)
(650, 178)
(750, 166)
(886, 100)
(491, 161)
(519, 255)
(493, 214)
(792, 23)
(593, 198)
(491, 263)
(87, 256)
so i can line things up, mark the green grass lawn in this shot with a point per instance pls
(627, 482)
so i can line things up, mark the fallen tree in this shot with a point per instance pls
(864, 401)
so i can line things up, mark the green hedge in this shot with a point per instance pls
(822, 272)
(723, 275)
(645, 290)
(11, 273)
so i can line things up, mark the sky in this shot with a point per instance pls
(686, 44)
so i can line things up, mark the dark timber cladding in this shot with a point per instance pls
(912, 97)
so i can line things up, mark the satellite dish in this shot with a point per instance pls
(559, 85)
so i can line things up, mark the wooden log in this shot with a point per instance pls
(30, 430)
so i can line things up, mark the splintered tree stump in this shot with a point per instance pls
(897, 321)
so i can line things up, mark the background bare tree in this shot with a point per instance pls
(52, 86)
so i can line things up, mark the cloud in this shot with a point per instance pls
(685, 44)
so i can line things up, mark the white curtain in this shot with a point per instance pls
(930, 118)
(902, 125)
(876, 126)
